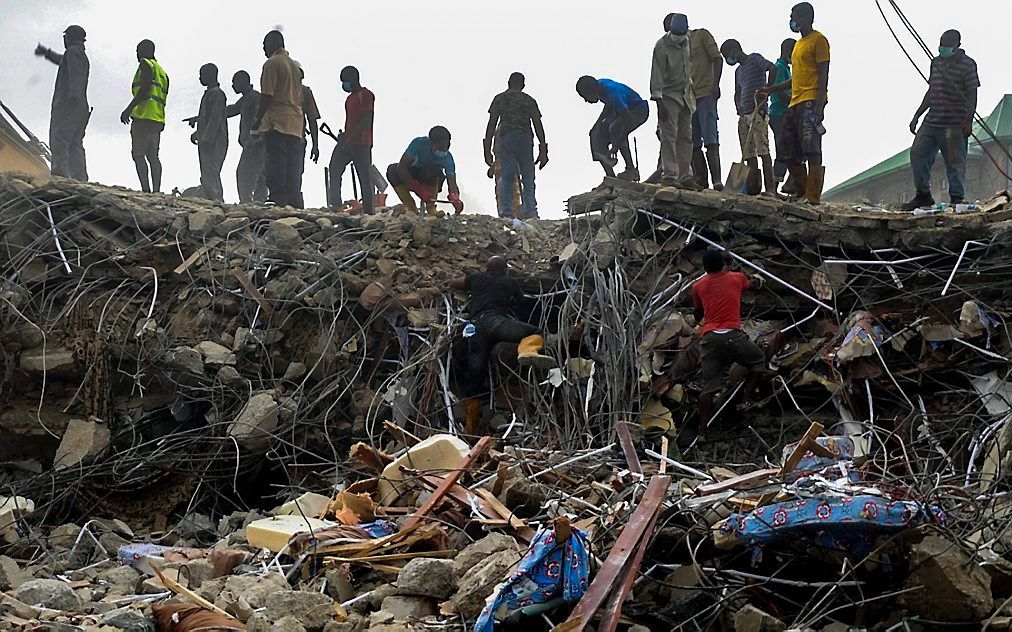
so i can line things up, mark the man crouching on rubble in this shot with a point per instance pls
(493, 294)
(717, 302)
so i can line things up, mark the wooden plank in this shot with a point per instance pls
(504, 512)
(406, 437)
(253, 291)
(200, 252)
(612, 570)
(745, 481)
(437, 496)
(613, 608)
(795, 457)
(628, 449)
(663, 469)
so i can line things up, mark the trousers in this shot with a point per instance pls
(212, 157)
(361, 157)
(515, 151)
(613, 128)
(490, 330)
(249, 175)
(929, 141)
(66, 142)
(676, 140)
(283, 168)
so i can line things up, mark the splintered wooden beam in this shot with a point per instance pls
(613, 576)
(628, 449)
(437, 496)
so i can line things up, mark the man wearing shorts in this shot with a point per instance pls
(146, 115)
(706, 71)
(717, 302)
(753, 72)
(809, 86)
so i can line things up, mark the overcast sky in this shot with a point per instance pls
(441, 63)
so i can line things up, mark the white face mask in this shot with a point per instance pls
(678, 39)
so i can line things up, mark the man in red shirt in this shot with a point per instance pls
(355, 144)
(717, 301)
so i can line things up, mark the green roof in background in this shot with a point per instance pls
(1000, 122)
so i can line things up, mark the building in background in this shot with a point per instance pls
(20, 151)
(890, 181)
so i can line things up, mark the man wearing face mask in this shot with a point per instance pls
(355, 145)
(809, 86)
(752, 72)
(671, 90)
(950, 102)
(422, 169)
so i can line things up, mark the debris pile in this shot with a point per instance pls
(247, 417)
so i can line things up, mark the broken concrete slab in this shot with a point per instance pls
(255, 423)
(478, 582)
(427, 577)
(82, 440)
(215, 354)
(752, 619)
(953, 587)
(48, 359)
(48, 593)
(11, 575)
(407, 608)
(312, 609)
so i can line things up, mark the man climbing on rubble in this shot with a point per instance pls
(809, 86)
(146, 115)
(421, 170)
(249, 175)
(511, 117)
(354, 146)
(716, 299)
(70, 113)
(950, 101)
(211, 137)
(671, 90)
(624, 111)
(279, 118)
(752, 73)
(707, 67)
(493, 296)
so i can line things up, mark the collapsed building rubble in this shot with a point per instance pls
(247, 417)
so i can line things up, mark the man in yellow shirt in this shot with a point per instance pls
(279, 118)
(809, 86)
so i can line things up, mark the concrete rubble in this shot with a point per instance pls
(249, 417)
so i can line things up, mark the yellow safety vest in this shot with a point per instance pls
(152, 108)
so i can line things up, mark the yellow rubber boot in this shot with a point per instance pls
(430, 208)
(529, 353)
(404, 195)
(813, 188)
(473, 416)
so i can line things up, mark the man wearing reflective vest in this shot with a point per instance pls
(146, 115)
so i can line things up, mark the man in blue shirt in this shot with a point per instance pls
(624, 111)
(425, 164)
(779, 101)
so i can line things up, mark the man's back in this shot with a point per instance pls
(492, 293)
(515, 109)
(72, 79)
(704, 52)
(718, 294)
(280, 80)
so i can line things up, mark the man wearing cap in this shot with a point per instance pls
(70, 113)
(146, 115)
(671, 90)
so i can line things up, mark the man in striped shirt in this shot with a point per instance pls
(950, 102)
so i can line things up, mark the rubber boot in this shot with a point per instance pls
(713, 159)
(473, 416)
(529, 353)
(699, 167)
(430, 208)
(404, 195)
(789, 187)
(813, 190)
(800, 175)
